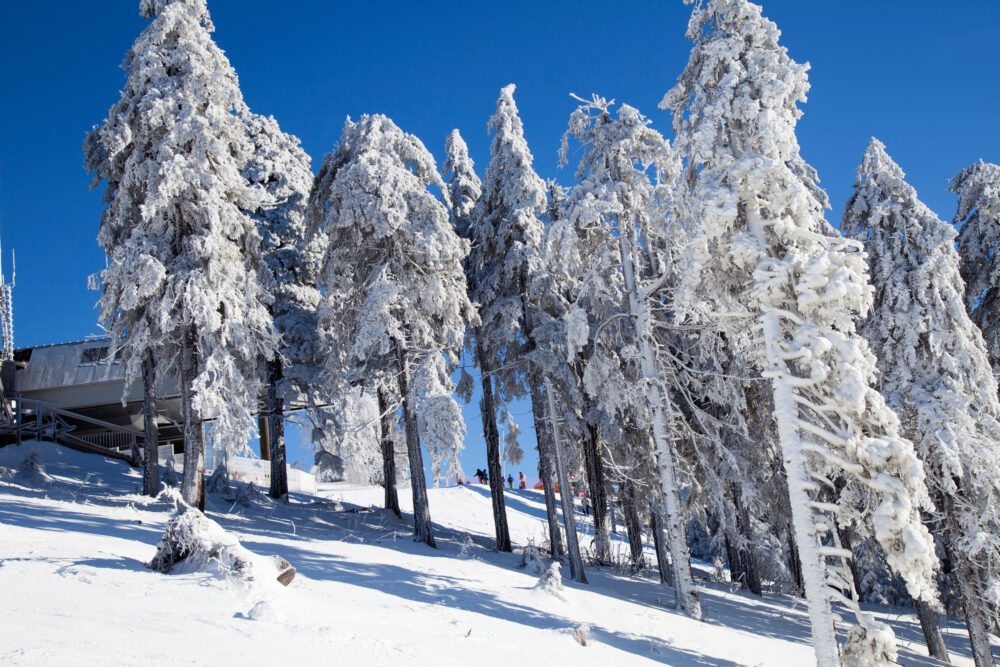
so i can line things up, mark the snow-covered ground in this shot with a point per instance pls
(74, 589)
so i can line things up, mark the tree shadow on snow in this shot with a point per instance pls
(459, 593)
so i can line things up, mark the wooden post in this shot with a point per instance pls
(265, 438)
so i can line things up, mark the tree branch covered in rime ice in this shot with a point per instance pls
(183, 257)
(395, 301)
(761, 245)
(613, 223)
(978, 217)
(936, 374)
(506, 234)
(291, 262)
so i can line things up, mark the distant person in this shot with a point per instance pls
(510, 481)
(523, 483)
(586, 505)
(479, 475)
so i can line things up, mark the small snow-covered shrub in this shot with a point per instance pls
(246, 494)
(218, 482)
(192, 541)
(463, 548)
(580, 634)
(531, 560)
(551, 582)
(32, 470)
(169, 476)
(869, 644)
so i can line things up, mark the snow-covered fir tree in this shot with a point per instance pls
(464, 186)
(394, 297)
(506, 233)
(978, 218)
(762, 254)
(612, 222)
(936, 375)
(183, 258)
(282, 169)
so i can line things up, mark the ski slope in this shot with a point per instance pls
(74, 588)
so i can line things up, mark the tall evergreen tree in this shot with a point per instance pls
(614, 219)
(762, 253)
(281, 168)
(506, 233)
(394, 297)
(464, 186)
(936, 375)
(183, 257)
(978, 217)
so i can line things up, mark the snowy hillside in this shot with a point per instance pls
(75, 534)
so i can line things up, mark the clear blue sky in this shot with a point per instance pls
(921, 75)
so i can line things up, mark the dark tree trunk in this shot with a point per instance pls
(264, 429)
(544, 440)
(748, 557)
(662, 560)
(793, 560)
(736, 573)
(488, 410)
(847, 542)
(632, 524)
(422, 529)
(151, 435)
(388, 454)
(598, 496)
(193, 482)
(932, 632)
(276, 429)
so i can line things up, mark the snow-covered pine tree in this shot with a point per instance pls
(282, 169)
(762, 251)
(614, 215)
(183, 258)
(464, 186)
(936, 375)
(558, 400)
(395, 299)
(538, 292)
(978, 219)
(506, 233)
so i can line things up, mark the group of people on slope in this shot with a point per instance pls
(484, 478)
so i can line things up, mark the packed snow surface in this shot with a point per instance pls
(75, 536)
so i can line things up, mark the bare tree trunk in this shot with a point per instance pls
(422, 529)
(276, 429)
(151, 435)
(793, 559)
(488, 411)
(193, 481)
(747, 555)
(662, 413)
(736, 573)
(932, 632)
(598, 496)
(565, 494)
(544, 440)
(662, 559)
(388, 454)
(973, 604)
(632, 524)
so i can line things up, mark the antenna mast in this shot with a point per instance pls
(6, 313)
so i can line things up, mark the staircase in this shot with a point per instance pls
(29, 419)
